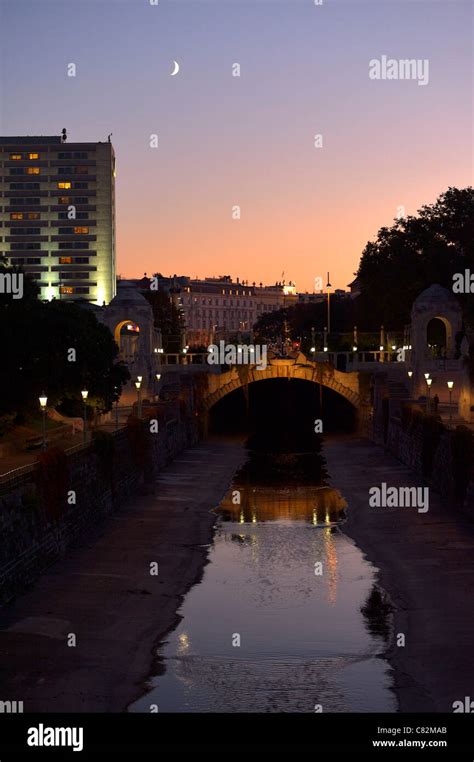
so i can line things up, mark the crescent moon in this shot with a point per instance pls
(175, 68)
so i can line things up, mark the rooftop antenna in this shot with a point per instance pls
(110, 136)
(63, 135)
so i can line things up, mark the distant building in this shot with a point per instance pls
(57, 213)
(321, 296)
(220, 308)
(313, 298)
(355, 287)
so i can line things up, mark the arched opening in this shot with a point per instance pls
(282, 409)
(438, 337)
(284, 474)
(127, 337)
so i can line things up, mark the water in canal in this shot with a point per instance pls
(285, 583)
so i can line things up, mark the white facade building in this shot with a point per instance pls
(219, 308)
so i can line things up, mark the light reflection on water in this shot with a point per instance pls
(303, 639)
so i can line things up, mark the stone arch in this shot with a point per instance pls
(118, 330)
(237, 378)
(434, 302)
(448, 331)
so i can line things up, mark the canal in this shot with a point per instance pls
(287, 616)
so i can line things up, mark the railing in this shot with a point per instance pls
(184, 358)
(15, 474)
(362, 358)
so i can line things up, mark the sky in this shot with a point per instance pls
(388, 146)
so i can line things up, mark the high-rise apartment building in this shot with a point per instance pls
(57, 214)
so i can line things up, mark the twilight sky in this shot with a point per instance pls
(249, 141)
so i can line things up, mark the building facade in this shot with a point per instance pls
(220, 308)
(57, 215)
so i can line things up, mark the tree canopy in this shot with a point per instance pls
(413, 253)
(37, 338)
(167, 317)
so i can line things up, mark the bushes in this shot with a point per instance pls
(462, 449)
(138, 439)
(430, 428)
(52, 479)
(431, 436)
(104, 447)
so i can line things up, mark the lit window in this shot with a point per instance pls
(64, 199)
(64, 186)
(33, 155)
(32, 170)
(81, 231)
(16, 156)
(16, 216)
(65, 260)
(33, 215)
(66, 290)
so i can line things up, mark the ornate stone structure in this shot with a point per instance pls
(129, 318)
(434, 303)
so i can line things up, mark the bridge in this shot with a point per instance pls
(345, 384)
(130, 319)
(212, 383)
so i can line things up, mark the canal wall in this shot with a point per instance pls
(443, 457)
(44, 511)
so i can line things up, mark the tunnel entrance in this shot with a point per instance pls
(282, 408)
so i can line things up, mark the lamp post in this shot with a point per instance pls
(43, 400)
(85, 394)
(116, 410)
(328, 286)
(450, 387)
(138, 384)
(429, 381)
(325, 339)
(158, 377)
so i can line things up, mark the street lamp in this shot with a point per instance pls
(313, 350)
(138, 384)
(429, 381)
(43, 400)
(450, 387)
(85, 394)
(410, 374)
(328, 286)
